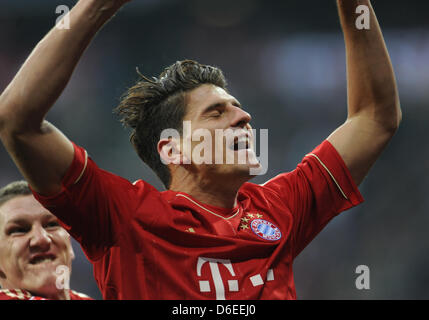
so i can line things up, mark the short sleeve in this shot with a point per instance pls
(319, 189)
(92, 205)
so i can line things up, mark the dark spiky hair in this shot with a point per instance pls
(155, 104)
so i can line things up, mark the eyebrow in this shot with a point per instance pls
(220, 104)
(21, 220)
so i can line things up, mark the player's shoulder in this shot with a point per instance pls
(265, 188)
(138, 183)
(14, 294)
(280, 177)
(142, 186)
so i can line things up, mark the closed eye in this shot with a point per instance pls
(17, 230)
(216, 114)
(53, 224)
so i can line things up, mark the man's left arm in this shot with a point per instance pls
(374, 111)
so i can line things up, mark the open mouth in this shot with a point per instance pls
(42, 258)
(241, 143)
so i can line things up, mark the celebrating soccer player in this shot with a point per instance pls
(211, 234)
(35, 251)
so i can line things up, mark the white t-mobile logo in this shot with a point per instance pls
(217, 278)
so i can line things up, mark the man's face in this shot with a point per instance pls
(32, 246)
(210, 109)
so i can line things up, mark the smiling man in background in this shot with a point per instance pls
(35, 251)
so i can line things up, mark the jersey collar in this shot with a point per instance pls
(184, 199)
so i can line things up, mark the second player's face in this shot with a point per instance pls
(32, 246)
(211, 110)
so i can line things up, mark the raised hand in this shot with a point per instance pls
(52, 63)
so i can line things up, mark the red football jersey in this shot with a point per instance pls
(146, 244)
(18, 294)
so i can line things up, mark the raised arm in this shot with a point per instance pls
(374, 110)
(41, 152)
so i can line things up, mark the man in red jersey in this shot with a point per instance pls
(35, 251)
(212, 234)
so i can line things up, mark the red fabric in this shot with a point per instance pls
(146, 244)
(17, 294)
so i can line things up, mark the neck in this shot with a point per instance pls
(216, 192)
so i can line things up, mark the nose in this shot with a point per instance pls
(240, 118)
(40, 239)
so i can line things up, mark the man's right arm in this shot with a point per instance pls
(41, 152)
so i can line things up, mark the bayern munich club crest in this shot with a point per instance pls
(265, 229)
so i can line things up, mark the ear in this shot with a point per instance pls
(169, 151)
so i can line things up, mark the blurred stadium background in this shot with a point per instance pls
(285, 62)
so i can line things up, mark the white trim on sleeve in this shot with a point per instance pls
(84, 167)
(329, 172)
